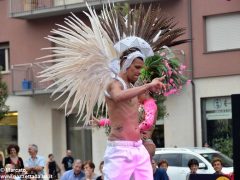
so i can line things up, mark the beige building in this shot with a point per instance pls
(213, 55)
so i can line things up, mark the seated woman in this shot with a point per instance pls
(14, 159)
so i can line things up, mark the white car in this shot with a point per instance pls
(178, 160)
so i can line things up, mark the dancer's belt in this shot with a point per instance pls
(125, 143)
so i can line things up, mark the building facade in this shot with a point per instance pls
(215, 52)
(212, 55)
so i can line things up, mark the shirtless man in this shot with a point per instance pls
(125, 155)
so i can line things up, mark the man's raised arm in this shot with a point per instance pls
(118, 94)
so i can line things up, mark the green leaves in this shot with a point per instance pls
(153, 68)
(164, 63)
(3, 97)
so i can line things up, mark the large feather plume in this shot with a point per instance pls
(79, 65)
(151, 24)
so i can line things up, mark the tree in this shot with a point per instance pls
(3, 97)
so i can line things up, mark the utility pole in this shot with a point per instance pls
(236, 134)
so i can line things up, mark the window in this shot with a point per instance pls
(172, 159)
(4, 56)
(30, 5)
(67, 2)
(79, 139)
(223, 32)
(8, 130)
(227, 162)
(217, 123)
(158, 136)
(187, 157)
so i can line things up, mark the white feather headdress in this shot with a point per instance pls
(84, 59)
(80, 64)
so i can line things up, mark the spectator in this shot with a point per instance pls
(89, 171)
(13, 158)
(9, 171)
(76, 173)
(158, 173)
(193, 166)
(206, 145)
(217, 166)
(52, 168)
(163, 164)
(67, 161)
(100, 169)
(35, 164)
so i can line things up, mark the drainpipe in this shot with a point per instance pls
(192, 70)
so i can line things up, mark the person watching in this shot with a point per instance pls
(35, 164)
(158, 173)
(193, 166)
(74, 174)
(217, 166)
(13, 158)
(67, 161)
(89, 167)
(163, 164)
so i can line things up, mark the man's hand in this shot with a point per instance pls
(157, 86)
(94, 122)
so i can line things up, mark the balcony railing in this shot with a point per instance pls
(25, 80)
(31, 9)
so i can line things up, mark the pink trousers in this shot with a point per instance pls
(124, 159)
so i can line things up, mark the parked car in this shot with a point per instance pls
(178, 160)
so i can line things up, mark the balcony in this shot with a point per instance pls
(33, 9)
(25, 80)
